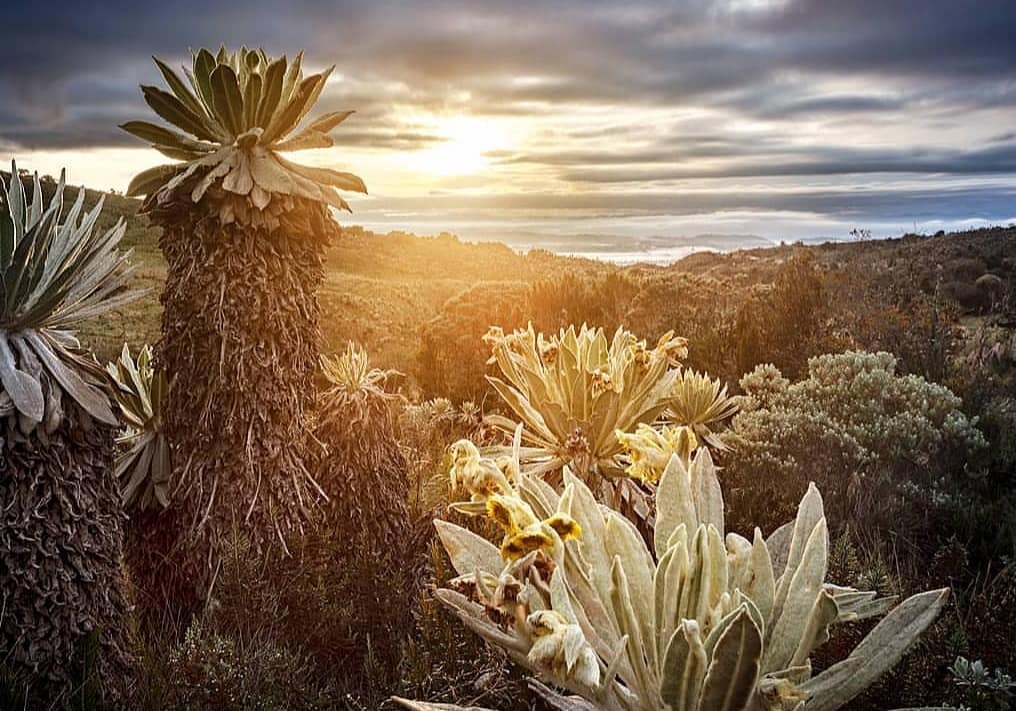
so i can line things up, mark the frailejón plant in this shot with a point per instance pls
(379, 562)
(698, 401)
(572, 392)
(244, 232)
(144, 464)
(701, 621)
(55, 271)
(61, 520)
(232, 120)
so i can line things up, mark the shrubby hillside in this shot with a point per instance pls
(400, 295)
(882, 371)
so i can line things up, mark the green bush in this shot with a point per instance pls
(787, 321)
(210, 670)
(885, 447)
(575, 298)
(984, 688)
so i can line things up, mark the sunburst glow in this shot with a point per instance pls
(468, 140)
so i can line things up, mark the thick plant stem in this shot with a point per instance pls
(240, 340)
(365, 476)
(63, 614)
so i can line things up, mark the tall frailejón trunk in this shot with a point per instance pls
(62, 608)
(244, 232)
(63, 614)
(379, 563)
(240, 341)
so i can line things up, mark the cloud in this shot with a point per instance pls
(842, 161)
(933, 202)
(586, 52)
(616, 97)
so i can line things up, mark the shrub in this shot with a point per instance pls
(787, 321)
(452, 359)
(699, 307)
(969, 298)
(575, 297)
(985, 689)
(210, 670)
(965, 269)
(922, 333)
(883, 446)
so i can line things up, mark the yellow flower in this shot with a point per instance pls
(602, 382)
(493, 336)
(548, 351)
(780, 694)
(499, 594)
(564, 526)
(524, 532)
(642, 357)
(682, 440)
(673, 348)
(511, 513)
(509, 466)
(524, 542)
(649, 449)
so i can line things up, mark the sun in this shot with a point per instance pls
(463, 151)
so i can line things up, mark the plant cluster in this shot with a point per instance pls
(289, 511)
(573, 392)
(990, 690)
(695, 621)
(451, 361)
(144, 464)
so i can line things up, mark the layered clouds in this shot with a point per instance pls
(580, 123)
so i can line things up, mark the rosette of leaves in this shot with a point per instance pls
(698, 621)
(56, 271)
(701, 403)
(231, 121)
(144, 464)
(572, 392)
(61, 521)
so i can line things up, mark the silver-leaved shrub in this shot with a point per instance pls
(878, 444)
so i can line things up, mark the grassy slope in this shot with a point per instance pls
(137, 323)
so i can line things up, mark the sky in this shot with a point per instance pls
(619, 129)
